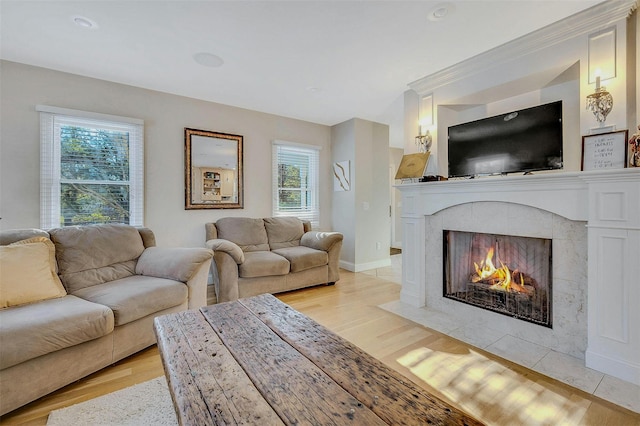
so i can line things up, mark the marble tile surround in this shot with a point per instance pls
(569, 277)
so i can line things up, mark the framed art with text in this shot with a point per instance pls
(605, 151)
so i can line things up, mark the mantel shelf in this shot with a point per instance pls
(565, 194)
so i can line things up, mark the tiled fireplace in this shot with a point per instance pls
(587, 226)
(568, 240)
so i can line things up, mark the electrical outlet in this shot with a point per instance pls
(378, 245)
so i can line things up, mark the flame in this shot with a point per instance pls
(499, 278)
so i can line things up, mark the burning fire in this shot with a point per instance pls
(500, 278)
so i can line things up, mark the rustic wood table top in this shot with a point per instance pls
(257, 361)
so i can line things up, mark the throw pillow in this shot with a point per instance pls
(28, 272)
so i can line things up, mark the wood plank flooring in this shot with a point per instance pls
(489, 388)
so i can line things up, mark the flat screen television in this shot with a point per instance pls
(520, 141)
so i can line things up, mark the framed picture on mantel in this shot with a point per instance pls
(605, 151)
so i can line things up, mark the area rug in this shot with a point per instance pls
(147, 403)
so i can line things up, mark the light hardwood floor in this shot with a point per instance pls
(491, 389)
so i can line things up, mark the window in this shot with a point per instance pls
(295, 181)
(91, 168)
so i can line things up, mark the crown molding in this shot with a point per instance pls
(587, 21)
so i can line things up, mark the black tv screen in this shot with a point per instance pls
(519, 141)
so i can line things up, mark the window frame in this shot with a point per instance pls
(313, 154)
(50, 160)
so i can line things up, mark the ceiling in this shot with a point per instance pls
(319, 61)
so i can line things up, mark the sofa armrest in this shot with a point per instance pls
(231, 248)
(178, 264)
(197, 286)
(188, 265)
(321, 240)
(227, 273)
(331, 242)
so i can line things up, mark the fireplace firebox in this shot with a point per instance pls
(510, 275)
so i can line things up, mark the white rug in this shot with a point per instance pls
(147, 403)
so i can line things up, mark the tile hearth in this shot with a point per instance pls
(541, 359)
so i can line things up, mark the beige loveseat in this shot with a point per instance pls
(270, 255)
(115, 283)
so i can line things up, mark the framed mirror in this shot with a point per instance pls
(213, 170)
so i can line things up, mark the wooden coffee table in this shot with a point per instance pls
(259, 361)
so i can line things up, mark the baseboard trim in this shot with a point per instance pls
(353, 267)
(614, 367)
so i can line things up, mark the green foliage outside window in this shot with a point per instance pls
(289, 184)
(292, 186)
(94, 171)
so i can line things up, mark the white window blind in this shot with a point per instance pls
(295, 181)
(91, 168)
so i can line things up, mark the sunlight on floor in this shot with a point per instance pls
(491, 391)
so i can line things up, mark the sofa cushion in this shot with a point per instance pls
(262, 264)
(302, 258)
(29, 331)
(90, 255)
(283, 231)
(250, 234)
(28, 270)
(134, 297)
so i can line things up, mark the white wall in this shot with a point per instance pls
(411, 121)
(371, 181)
(362, 214)
(634, 53)
(395, 157)
(344, 202)
(165, 116)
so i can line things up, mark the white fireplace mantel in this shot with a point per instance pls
(565, 194)
(608, 201)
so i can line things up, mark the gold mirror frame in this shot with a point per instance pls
(213, 170)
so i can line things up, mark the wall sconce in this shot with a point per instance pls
(600, 103)
(602, 66)
(423, 140)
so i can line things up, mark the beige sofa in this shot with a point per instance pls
(270, 255)
(115, 282)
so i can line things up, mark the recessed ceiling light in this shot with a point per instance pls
(84, 22)
(313, 89)
(208, 59)
(441, 11)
